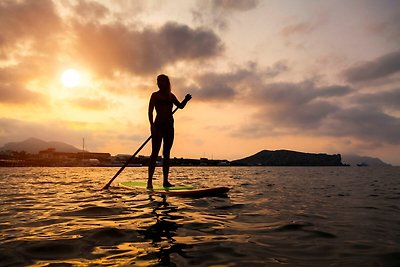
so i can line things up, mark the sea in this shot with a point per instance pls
(272, 216)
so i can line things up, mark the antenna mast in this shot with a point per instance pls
(83, 150)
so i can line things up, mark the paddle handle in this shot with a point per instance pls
(130, 159)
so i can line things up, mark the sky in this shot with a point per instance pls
(304, 75)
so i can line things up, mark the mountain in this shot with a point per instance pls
(353, 160)
(34, 145)
(289, 158)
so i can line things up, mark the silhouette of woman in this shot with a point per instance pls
(162, 128)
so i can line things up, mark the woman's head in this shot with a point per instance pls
(163, 83)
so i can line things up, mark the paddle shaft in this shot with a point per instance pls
(131, 158)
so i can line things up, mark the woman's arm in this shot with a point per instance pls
(150, 111)
(182, 104)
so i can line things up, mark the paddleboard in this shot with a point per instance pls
(182, 191)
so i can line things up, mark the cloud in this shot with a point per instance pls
(296, 105)
(90, 10)
(366, 123)
(276, 69)
(235, 5)
(91, 103)
(220, 86)
(215, 13)
(380, 67)
(296, 93)
(298, 33)
(212, 86)
(32, 22)
(12, 89)
(308, 109)
(251, 130)
(16, 94)
(388, 24)
(143, 51)
(298, 28)
(29, 32)
(387, 99)
(213, 89)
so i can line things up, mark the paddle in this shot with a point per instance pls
(130, 159)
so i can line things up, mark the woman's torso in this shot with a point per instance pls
(163, 104)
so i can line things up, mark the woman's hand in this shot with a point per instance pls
(188, 97)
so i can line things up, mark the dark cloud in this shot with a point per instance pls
(365, 123)
(378, 68)
(144, 51)
(212, 86)
(296, 105)
(257, 130)
(276, 69)
(300, 118)
(333, 90)
(307, 109)
(220, 86)
(215, 13)
(299, 106)
(387, 99)
(296, 93)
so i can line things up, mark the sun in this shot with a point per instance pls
(70, 78)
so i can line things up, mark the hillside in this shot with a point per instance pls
(289, 158)
(353, 160)
(34, 145)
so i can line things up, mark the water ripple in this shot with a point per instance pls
(271, 216)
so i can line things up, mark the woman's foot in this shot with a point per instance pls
(168, 184)
(149, 187)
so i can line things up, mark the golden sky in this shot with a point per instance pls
(312, 76)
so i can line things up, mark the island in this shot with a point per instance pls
(289, 158)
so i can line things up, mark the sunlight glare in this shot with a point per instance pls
(70, 78)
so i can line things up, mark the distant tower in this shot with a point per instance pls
(83, 150)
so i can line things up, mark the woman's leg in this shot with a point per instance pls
(168, 141)
(155, 149)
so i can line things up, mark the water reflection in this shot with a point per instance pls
(162, 232)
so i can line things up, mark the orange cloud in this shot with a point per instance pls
(31, 21)
(98, 104)
(15, 94)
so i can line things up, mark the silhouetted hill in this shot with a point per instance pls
(34, 145)
(353, 160)
(289, 158)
